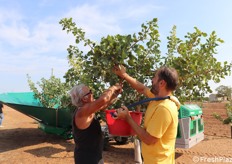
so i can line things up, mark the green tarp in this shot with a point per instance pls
(24, 98)
(25, 103)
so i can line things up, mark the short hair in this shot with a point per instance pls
(170, 76)
(76, 94)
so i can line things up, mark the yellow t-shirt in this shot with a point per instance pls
(160, 121)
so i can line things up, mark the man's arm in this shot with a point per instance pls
(121, 72)
(142, 133)
(144, 136)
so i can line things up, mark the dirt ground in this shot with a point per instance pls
(21, 142)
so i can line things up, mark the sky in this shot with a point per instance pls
(32, 40)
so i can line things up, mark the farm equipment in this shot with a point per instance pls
(191, 127)
(50, 120)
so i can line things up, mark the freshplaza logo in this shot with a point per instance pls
(215, 159)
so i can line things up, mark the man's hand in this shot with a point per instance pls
(123, 113)
(119, 70)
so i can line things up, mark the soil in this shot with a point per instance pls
(21, 142)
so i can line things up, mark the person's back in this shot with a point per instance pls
(88, 149)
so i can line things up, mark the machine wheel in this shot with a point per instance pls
(121, 140)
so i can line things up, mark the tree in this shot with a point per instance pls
(140, 53)
(224, 91)
(227, 120)
(51, 92)
(194, 59)
(221, 92)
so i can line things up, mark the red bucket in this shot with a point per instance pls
(120, 127)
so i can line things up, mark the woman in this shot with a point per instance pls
(86, 128)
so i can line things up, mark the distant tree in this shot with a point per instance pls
(224, 91)
(52, 92)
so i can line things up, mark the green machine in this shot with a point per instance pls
(190, 127)
(50, 120)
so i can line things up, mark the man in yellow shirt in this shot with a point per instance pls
(158, 135)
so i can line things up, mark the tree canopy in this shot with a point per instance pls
(193, 57)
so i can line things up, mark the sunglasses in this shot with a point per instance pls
(90, 92)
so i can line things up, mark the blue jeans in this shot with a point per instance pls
(1, 118)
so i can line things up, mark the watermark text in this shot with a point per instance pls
(214, 159)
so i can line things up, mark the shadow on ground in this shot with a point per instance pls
(12, 139)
